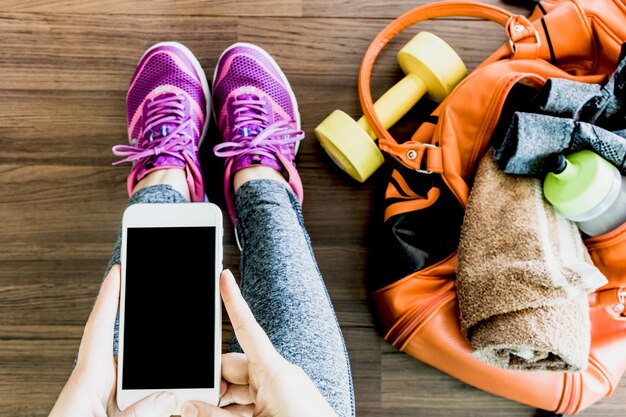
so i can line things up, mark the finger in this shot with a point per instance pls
(97, 339)
(250, 335)
(241, 410)
(200, 409)
(235, 368)
(160, 404)
(236, 394)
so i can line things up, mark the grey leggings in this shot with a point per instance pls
(282, 284)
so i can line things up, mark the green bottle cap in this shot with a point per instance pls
(580, 185)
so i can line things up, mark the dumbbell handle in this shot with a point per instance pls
(396, 102)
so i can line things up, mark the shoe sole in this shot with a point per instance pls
(203, 80)
(280, 72)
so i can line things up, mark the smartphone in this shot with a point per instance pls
(170, 325)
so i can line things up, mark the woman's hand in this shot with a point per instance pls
(261, 382)
(90, 390)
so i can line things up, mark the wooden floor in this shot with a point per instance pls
(64, 71)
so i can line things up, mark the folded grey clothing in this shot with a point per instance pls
(532, 138)
(608, 109)
(566, 98)
(564, 117)
(601, 106)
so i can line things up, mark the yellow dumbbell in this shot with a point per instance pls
(431, 67)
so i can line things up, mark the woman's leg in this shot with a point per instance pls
(282, 284)
(257, 115)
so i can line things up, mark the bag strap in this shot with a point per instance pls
(518, 28)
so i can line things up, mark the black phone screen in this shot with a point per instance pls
(169, 318)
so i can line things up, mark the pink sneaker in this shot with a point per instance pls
(167, 106)
(257, 115)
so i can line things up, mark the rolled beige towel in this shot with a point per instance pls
(523, 277)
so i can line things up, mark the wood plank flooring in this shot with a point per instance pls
(64, 71)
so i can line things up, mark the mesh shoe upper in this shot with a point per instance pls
(257, 115)
(166, 114)
(247, 68)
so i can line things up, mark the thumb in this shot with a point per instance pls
(159, 404)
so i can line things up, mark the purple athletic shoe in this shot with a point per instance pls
(257, 115)
(167, 105)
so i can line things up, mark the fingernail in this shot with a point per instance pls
(189, 410)
(166, 401)
(228, 276)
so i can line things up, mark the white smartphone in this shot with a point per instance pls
(170, 324)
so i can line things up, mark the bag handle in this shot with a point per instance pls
(517, 28)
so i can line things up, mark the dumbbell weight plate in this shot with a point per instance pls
(345, 141)
(435, 62)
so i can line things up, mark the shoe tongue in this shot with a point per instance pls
(251, 129)
(248, 160)
(159, 131)
(162, 129)
(161, 161)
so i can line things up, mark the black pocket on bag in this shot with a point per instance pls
(417, 239)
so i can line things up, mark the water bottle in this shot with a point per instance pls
(585, 188)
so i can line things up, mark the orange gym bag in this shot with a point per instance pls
(429, 187)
